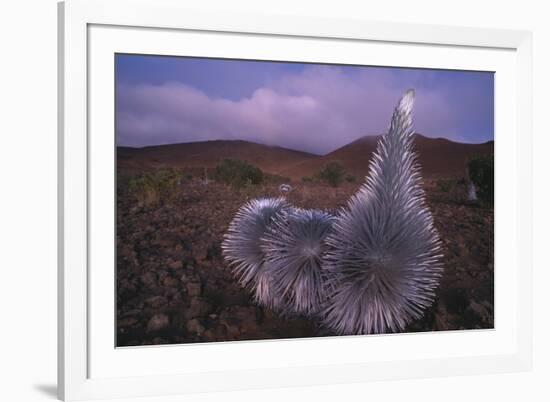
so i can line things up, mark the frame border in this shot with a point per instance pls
(74, 16)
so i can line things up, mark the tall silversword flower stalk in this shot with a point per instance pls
(383, 262)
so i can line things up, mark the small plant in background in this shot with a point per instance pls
(332, 173)
(307, 179)
(453, 190)
(285, 188)
(143, 190)
(151, 189)
(481, 172)
(238, 173)
(471, 197)
(248, 189)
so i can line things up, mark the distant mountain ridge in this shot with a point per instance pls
(210, 154)
(437, 156)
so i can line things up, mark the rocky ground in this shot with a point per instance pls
(173, 285)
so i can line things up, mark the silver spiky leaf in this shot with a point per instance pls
(241, 246)
(293, 248)
(383, 258)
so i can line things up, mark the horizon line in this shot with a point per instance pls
(295, 150)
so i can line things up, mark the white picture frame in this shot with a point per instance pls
(89, 365)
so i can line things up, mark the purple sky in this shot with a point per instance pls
(310, 107)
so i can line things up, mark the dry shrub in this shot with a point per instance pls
(154, 188)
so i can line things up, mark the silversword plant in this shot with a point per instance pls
(372, 268)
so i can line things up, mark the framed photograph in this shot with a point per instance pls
(252, 201)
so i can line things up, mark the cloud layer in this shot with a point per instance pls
(316, 110)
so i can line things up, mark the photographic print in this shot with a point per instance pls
(273, 200)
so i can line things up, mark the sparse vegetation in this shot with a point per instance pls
(275, 179)
(332, 173)
(238, 173)
(481, 172)
(154, 188)
(452, 190)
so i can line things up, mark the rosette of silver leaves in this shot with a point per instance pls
(293, 249)
(241, 246)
